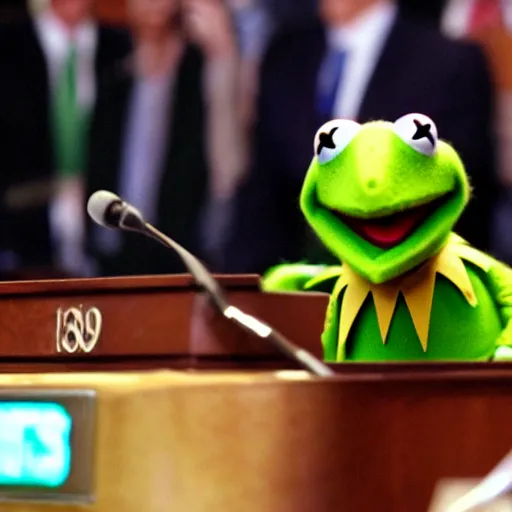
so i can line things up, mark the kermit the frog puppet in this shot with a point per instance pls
(384, 197)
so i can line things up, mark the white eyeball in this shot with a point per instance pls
(419, 132)
(333, 137)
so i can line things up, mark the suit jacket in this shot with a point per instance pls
(26, 151)
(418, 71)
(184, 184)
(427, 10)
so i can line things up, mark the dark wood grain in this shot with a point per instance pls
(352, 442)
(392, 439)
(145, 283)
(380, 435)
(428, 370)
(162, 317)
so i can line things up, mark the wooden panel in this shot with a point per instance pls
(152, 316)
(143, 283)
(217, 442)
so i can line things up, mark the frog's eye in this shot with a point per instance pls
(333, 137)
(418, 131)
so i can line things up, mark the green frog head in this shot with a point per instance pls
(383, 197)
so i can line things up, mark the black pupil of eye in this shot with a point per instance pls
(423, 131)
(326, 140)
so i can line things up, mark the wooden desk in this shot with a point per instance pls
(375, 437)
(149, 322)
(284, 442)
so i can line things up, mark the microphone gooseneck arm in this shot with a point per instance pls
(248, 322)
(109, 210)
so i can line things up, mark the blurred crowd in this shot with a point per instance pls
(202, 114)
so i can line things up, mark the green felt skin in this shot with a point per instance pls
(458, 331)
(378, 173)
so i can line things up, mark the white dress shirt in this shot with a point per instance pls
(67, 216)
(253, 25)
(363, 39)
(145, 145)
(55, 40)
(456, 16)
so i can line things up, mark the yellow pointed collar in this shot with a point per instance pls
(417, 289)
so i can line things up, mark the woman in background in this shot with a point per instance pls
(167, 134)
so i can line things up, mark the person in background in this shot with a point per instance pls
(50, 66)
(166, 135)
(489, 23)
(463, 18)
(254, 27)
(363, 61)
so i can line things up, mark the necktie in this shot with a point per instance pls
(69, 120)
(484, 12)
(69, 123)
(329, 80)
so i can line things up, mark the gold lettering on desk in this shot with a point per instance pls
(78, 330)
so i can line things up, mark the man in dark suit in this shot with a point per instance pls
(49, 69)
(365, 62)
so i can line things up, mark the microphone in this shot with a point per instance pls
(110, 211)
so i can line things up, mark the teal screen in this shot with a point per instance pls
(35, 444)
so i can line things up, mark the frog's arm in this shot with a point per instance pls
(500, 282)
(302, 277)
(289, 277)
(299, 277)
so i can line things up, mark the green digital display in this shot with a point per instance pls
(35, 444)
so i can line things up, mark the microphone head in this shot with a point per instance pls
(105, 208)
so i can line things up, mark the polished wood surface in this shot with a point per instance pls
(375, 437)
(160, 321)
(285, 442)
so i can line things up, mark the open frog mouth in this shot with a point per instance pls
(389, 230)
